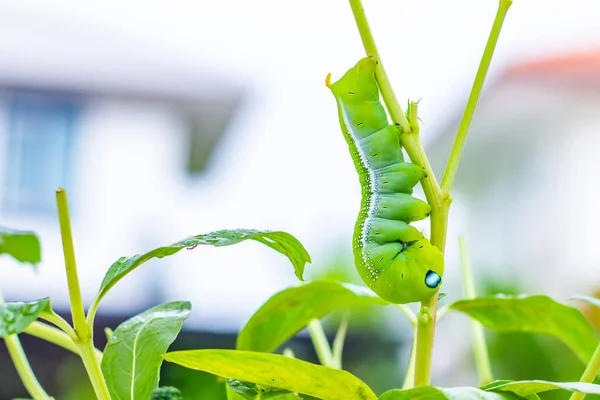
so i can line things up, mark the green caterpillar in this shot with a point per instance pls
(391, 256)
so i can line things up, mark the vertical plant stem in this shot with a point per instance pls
(409, 379)
(439, 206)
(389, 97)
(426, 318)
(484, 65)
(592, 369)
(78, 314)
(482, 359)
(322, 348)
(84, 342)
(338, 343)
(437, 196)
(17, 354)
(87, 352)
(425, 339)
(19, 359)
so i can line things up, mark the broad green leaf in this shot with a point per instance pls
(276, 371)
(281, 241)
(526, 388)
(23, 246)
(533, 314)
(457, 393)
(132, 356)
(588, 299)
(290, 310)
(16, 316)
(253, 391)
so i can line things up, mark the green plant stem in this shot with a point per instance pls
(84, 341)
(87, 352)
(463, 128)
(57, 320)
(19, 359)
(387, 93)
(52, 335)
(55, 336)
(592, 369)
(439, 202)
(322, 348)
(91, 315)
(409, 379)
(482, 359)
(437, 196)
(77, 311)
(17, 354)
(338, 342)
(426, 318)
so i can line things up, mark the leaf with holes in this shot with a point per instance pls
(290, 311)
(132, 358)
(282, 242)
(533, 314)
(16, 316)
(23, 246)
(276, 371)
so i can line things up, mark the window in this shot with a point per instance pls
(38, 151)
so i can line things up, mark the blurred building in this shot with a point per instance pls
(526, 188)
(126, 133)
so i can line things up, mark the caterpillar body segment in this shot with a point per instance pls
(391, 256)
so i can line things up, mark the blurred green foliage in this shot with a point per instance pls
(523, 356)
(379, 362)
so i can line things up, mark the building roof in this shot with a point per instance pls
(581, 68)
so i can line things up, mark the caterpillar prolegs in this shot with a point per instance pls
(391, 256)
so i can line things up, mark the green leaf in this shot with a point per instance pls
(533, 314)
(276, 371)
(132, 357)
(252, 391)
(588, 299)
(281, 241)
(23, 246)
(526, 388)
(290, 310)
(457, 393)
(16, 316)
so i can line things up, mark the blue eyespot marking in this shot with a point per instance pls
(432, 280)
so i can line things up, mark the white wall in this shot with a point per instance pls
(130, 194)
(527, 183)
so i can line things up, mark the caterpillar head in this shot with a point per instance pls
(425, 267)
(358, 84)
(414, 275)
